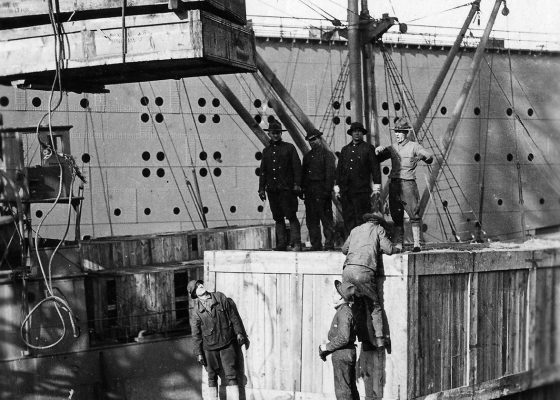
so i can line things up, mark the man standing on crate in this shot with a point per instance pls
(403, 191)
(217, 330)
(280, 179)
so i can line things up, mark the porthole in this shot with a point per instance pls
(477, 157)
(4, 101)
(348, 120)
(397, 106)
(146, 172)
(146, 155)
(144, 101)
(258, 118)
(530, 157)
(201, 102)
(541, 201)
(84, 103)
(145, 117)
(160, 155)
(202, 118)
(203, 155)
(215, 118)
(86, 158)
(217, 171)
(260, 209)
(159, 117)
(159, 101)
(424, 228)
(203, 172)
(385, 105)
(258, 156)
(509, 157)
(258, 171)
(476, 111)
(530, 112)
(336, 105)
(443, 110)
(269, 104)
(117, 212)
(336, 120)
(216, 102)
(176, 210)
(39, 214)
(386, 170)
(348, 105)
(270, 118)
(36, 102)
(232, 209)
(205, 210)
(385, 121)
(147, 211)
(160, 172)
(509, 111)
(444, 203)
(500, 202)
(257, 103)
(217, 156)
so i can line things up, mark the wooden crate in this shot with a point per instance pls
(463, 324)
(157, 46)
(20, 13)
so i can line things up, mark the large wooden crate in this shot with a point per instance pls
(463, 324)
(157, 46)
(18, 13)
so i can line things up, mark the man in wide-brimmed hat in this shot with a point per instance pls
(317, 183)
(358, 177)
(217, 332)
(280, 179)
(403, 191)
(342, 335)
(363, 249)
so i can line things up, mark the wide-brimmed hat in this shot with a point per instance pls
(345, 289)
(191, 287)
(274, 126)
(356, 126)
(315, 133)
(402, 125)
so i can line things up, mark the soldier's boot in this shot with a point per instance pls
(398, 237)
(213, 393)
(416, 236)
(281, 236)
(232, 392)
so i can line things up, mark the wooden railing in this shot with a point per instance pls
(463, 323)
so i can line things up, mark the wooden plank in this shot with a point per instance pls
(271, 333)
(309, 369)
(555, 351)
(501, 260)
(285, 369)
(413, 364)
(428, 263)
(472, 331)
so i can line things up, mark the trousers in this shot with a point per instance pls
(403, 196)
(319, 210)
(344, 369)
(222, 362)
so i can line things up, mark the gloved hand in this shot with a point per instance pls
(200, 359)
(379, 149)
(376, 189)
(323, 354)
(242, 340)
(301, 195)
(428, 160)
(336, 190)
(262, 195)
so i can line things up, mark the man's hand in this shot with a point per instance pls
(297, 189)
(242, 340)
(336, 190)
(428, 160)
(323, 353)
(262, 195)
(376, 189)
(200, 359)
(379, 149)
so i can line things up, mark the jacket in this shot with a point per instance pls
(318, 172)
(364, 245)
(342, 333)
(357, 166)
(215, 329)
(404, 158)
(280, 167)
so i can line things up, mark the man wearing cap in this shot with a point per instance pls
(363, 250)
(403, 191)
(317, 184)
(342, 336)
(357, 169)
(280, 179)
(217, 330)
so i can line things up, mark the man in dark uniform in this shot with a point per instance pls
(217, 331)
(342, 336)
(357, 168)
(280, 179)
(317, 184)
